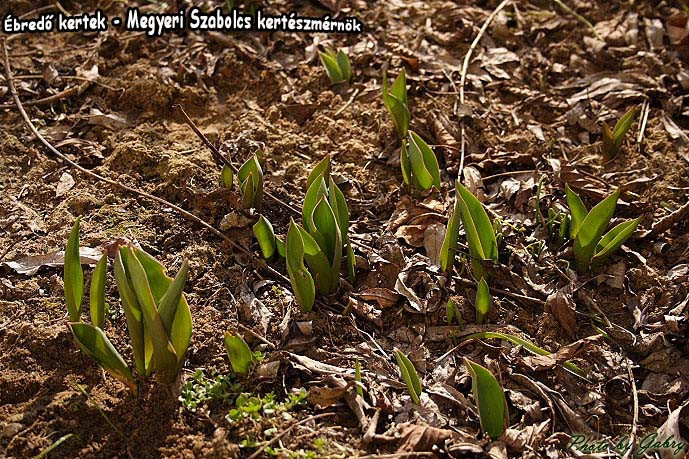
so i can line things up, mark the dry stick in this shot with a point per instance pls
(463, 76)
(56, 152)
(221, 159)
(635, 421)
(54, 98)
(258, 452)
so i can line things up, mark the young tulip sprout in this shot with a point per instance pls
(489, 398)
(241, 357)
(480, 233)
(269, 243)
(395, 100)
(612, 140)
(591, 247)
(336, 65)
(420, 168)
(409, 375)
(157, 313)
(250, 178)
(321, 242)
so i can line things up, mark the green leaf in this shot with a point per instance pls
(250, 176)
(344, 65)
(592, 229)
(528, 345)
(622, 126)
(450, 310)
(577, 209)
(338, 203)
(483, 301)
(97, 292)
(326, 226)
(357, 378)
(263, 230)
(405, 164)
(320, 169)
(449, 247)
(239, 353)
(134, 316)
(164, 356)
(94, 343)
(409, 375)
(160, 282)
(332, 68)
(170, 301)
(478, 228)
(280, 247)
(73, 275)
(395, 101)
(326, 279)
(300, 278)
(227, 176)
(614, 239)
(314, 193)
(424, 164)
(490, 399)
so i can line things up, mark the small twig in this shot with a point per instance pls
(578, 17)
(54, 98)
(349, 102)
(186, 214)
(256, 335)
(275, 439)
(463, 77)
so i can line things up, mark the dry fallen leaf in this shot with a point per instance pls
(562, 307)
(30, 265)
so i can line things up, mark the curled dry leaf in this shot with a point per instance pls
(562, 307)
(565, 353)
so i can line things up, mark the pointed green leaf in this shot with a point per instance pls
(449, 247)
(164, 356)
(338, 203)
(325, 224)
(331, 67)
(263, 230)
(489, 398)
(320, 169)
(477, 225)
(528, 345)
(280, 246)
(93, 342)
(239, 353)
(357, 378)
(592, 229)
(577, 209)
(344, 65)
(405, 164)
(134, 316)
(409, 375)
(622, 126)
(248, 192)
(324, 276)
(300, 278)
(424, 164)
(250, 176)
(483, 301)
(97, 292)
(314, 193)
(73, 275)
(227, 176)
(614, 239)
(395, 101)
(169, 302)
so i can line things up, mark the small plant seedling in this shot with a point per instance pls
(395, 100)
(612, 140)
(322, 240)
(591, 247)
(158, 316)
(248, 406)
(241, 357)
(489, 398)
(480, 233)
(453, 314)
(227, 176)
(201, 389)
(483, 301)
(336, 65)
(409, 375)
(250, 176)
(420, 168)
(357, 378)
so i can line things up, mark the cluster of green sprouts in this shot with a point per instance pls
(420, 169)
(612, 140)
(157, 314)
(315, 251)
(250, 178)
